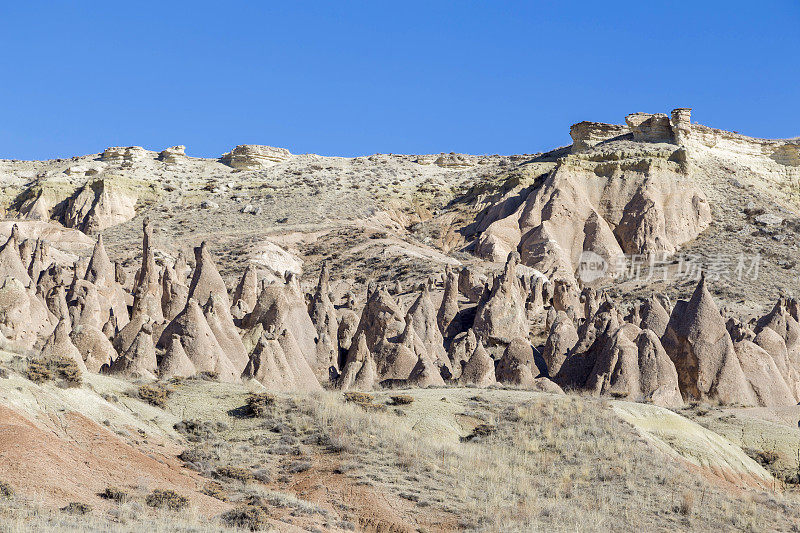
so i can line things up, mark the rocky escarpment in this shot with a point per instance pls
(253, 156)
(624, 189)
(615, 198)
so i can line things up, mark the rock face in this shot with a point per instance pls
(254, 156)
(587, 134)
(220, 321)
(609, 199)
(649, 127)
(360, 371)
(278, 364)
(199, 343)
(423, 313)
(206, 279)
(246, 292)
(173, 155)
(60, 345)
(634, 365)
(138, 361)
(619, 189)
(453, 161)
(282, 306)
(562, 338)
(23, 317)
(175, 362)
(99, 205)
(122, 154)
(516, 366)
(448, 310)
(94, 347)
(323, 315)
(699, 344)
(382, 322)
(500, 316)
(479, 369)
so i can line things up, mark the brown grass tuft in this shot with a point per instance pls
(63, 369)
(167, 499)
(258, 404)
(249, 517)
(154, 394)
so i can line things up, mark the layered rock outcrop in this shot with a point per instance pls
(254, 156)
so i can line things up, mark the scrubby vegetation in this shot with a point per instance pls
(154, 394)
(77, 508)
(250, 517)
(258, 404)
(61, 369)
(6, 491)
(114, 494)
(167, 499)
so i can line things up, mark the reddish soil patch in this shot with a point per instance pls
(370, 507)
(74, 458)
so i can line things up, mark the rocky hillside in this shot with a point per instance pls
(650, 264)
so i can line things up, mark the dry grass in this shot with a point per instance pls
(249, 517)
(30, 517)
(258, 404)
(167, 499)
(62, 369)
(556, 463)
(530, 462)
(154, 394)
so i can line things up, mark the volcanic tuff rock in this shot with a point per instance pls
(608, 200)
(253, 156)
(173, 155)
(699, 344)
(402, 220)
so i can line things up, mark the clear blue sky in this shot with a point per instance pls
(353, 78)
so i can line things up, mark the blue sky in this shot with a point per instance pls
(353, 78)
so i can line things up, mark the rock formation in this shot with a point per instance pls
(254, 157)
(199, 343)
(501, 316)
(278, 364)
(699, 344)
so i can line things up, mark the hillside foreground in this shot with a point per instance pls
(407, 460)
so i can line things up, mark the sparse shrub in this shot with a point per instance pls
(155, 395)
(235, 472)
(762, 457)
(6, 491)
(166, 499)
(215, 490)
(196, 430)
(62, 368)
(114, 494)
(258, 404)
(38, 371)
(358, 397)
(209, 375)
(262, 475)
(77, 508)
(363, 400)
(250, 517)
(687, 503)
(402, 399)
(200, 458)
(481, 430)
(110, 398)
(298, 466)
